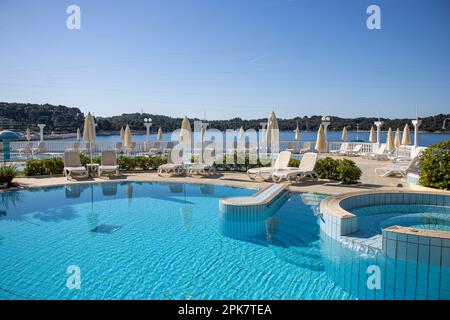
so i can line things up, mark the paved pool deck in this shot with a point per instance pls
(369, 180)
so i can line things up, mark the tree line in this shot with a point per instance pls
(62, 119)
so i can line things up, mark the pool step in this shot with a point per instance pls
(268, 199)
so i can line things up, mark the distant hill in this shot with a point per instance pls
(62, 119)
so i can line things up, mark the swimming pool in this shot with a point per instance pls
(156, 241)
(170, 241)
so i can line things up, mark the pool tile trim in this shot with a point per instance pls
(404, 243)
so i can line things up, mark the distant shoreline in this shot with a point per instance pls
(135, 132)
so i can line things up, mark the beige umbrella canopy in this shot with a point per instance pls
(397, 140)
(321, 144)
(78, 134)
(297, 133)
(89, 129)
(127, 143)
(89, 132)
(390, 145)
(344, 136)
(241, 133)
(272, 133)
(372, 135)
(406, 139)
(159, 136)
(122, 132)
(185, 132)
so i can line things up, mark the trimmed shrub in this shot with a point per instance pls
(294, 163)
(348, 171)
(345, 170)
(85, 159)
(34, 167)
(53, 165)
(327, 168)
(237, 162)
(7, 173)
(155, 162)
(434, 164)
(130, 163)
(46, 166)
(126, 163)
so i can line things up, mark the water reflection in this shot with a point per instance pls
(9, 199)
(129, 193)
(207, 189)
(176, 188)
(186, 216)
(244, 226)
(74, 191)
(109, 189)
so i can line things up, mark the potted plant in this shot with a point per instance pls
(7, 173)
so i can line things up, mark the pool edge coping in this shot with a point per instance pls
(332, 206)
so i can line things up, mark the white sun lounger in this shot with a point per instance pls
(281, 162)
(414, 154)
(355, 151)
(108, 164)
(342, 150)
(306, 147)
(400, 168)
(72, 165)
(170, 167)
(379, 155)
(305, 169)
(205, 168)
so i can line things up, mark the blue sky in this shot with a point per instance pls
(233, 58)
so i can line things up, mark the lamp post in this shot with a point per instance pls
(147, 124)
(203, 126)
(378, 124)
(326, 120)
(262, 136)
(416, 123)
(41, 131)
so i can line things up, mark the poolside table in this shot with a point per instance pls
(92, 168)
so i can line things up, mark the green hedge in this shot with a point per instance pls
(349, 172)
(344, 170)
(48, 166)
(327, 168)
(434, 165)
(87, 159)
(237, 162)
(127, 163)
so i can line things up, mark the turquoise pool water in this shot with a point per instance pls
(170, 241)
(157, 241)
(373, 219)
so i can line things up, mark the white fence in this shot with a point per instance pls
(56, 148)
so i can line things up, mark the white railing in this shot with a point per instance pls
(58, 147)
(366, 146)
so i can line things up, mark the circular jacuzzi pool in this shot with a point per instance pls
(378, 211)
(402, 235)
